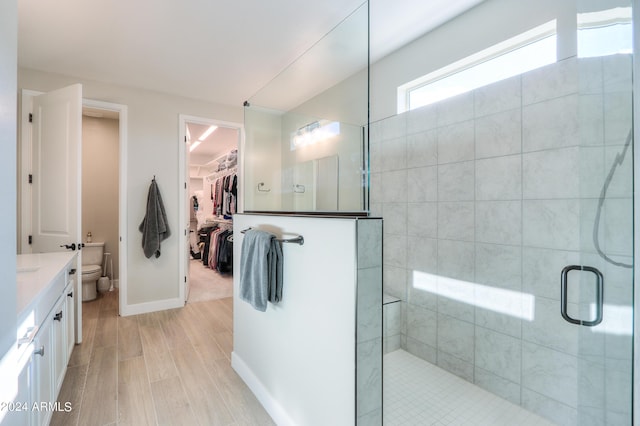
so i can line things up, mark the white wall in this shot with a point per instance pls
(152, 150)
(298, 357)
(8, 119)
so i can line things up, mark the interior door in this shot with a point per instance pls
(57, 175)
(187, 224)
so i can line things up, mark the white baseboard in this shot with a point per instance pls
(275, 410)
(144, 308)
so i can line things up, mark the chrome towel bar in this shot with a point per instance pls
(297, 240)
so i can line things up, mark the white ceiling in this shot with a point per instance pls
(218, 51)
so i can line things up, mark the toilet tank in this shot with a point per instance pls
(92, 253)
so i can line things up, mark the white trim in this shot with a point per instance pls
(183, 119)
(270, 404)
(146, 307)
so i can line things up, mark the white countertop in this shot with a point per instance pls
(36, 272)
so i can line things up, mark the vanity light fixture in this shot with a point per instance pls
(314, 132)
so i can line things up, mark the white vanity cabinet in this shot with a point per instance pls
(46, 324)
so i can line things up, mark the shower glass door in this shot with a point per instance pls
(508, 238)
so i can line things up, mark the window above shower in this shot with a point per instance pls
(599, 33)
(305, 132)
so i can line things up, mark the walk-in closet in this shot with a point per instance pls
(213, 189)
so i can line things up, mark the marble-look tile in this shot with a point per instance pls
(618, 223)
(456, 259)
(422, 325)
(619, 384)
(621, 185)
(551, 224)
(618, 117)
(499, 134)
(550, 373)
(499, 178)
(455, 366)
(369, 304)
(541, 270)
(455, 110)
(456, 142)
(422, 149)
(422, 184)
(372, 418)
(375, 131)
(375, 155)
(422, 220)
(422, 254)
(394, 187)
(395, 281)
(421, 119)
(395, 250)
(393, 154)
(494, 320)
(590, 75)
(591, 119)
(395, 215)
(499, 222)
(392, 319)
(617, 73)
(591, 379)
(551, 81)
(589, 416)
(392, 127)
(551, 124)
(549, 408)
(369, 376)
(456, 337)
(375, 188)
(592, 171)
(391, 343)
(497, 385)
(369, 243)
(497, 97)
(422, 290)
(498, 353)
(499, 265)
(543, 171)
(456, 220)
(456, 182)
(422, 350)
(549, 329)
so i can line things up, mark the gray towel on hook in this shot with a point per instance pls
(260, 269)
(154, 226)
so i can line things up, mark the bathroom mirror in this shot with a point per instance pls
(306, 144)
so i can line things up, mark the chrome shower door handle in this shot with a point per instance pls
(564, 283)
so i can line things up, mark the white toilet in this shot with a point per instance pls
(91, 269)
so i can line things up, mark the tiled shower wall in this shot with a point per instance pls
(485, 198)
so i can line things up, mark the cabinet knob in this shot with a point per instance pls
(70, 294)
(58, 316)
(39, 351)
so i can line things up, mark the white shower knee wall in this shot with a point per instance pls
(299, 357)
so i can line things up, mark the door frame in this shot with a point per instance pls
(183, 119)
(24, 190)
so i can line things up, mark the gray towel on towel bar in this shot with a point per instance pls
(154, 226)
(260, 269)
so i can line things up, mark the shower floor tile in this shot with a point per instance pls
(419, 393)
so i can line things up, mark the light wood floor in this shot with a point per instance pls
(163, 368)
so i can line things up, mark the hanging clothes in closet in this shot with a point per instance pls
(224, 194)
(221, 251)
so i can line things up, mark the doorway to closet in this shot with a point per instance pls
(211, 200)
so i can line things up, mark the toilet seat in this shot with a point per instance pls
(91, 269)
